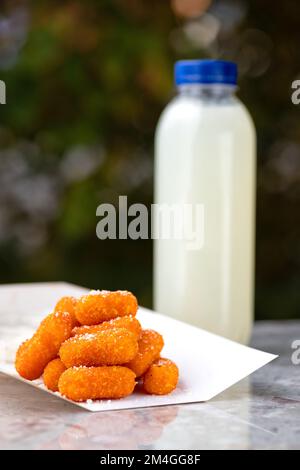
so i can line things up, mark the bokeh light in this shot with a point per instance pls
(14, 24)
(86, 83)
(190, 8)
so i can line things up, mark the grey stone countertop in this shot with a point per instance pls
(260, 412)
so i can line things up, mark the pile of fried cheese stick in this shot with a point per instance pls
(93, 347)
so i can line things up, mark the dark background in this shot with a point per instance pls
(86, 82)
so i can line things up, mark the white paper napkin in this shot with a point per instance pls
(208, 364)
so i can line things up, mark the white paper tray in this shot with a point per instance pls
(208, 363)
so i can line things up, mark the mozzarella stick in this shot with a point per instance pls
(67, 304)
(33, 355)
(52, 373)
(161, 378)
(129, 322)
(149, 347)
(109, 347)
(92, 383)
(99, 306)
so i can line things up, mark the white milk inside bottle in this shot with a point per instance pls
(205, 155)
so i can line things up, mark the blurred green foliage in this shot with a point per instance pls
(86, 82)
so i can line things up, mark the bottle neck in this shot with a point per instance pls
(207, 91)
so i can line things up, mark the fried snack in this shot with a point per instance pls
(99, 306)
(33, 355)
(161, 378)
(67, 304)
(109, 347)
(130, 323)
(92, 383)
(150, 345)
(52, 373)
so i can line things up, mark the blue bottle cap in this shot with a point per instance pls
(206, 71)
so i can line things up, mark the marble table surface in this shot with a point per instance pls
(260, 412)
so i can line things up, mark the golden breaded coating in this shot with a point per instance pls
(108, 347)
(161, 378)
(99, 306)
(52, 373)
(92, 383)
(150, 345)
(67, 304)
(129, 322)
(34, 354)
